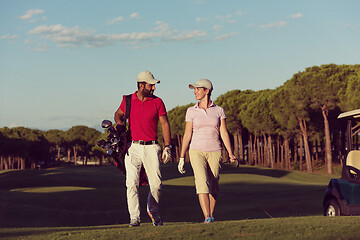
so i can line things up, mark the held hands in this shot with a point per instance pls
(166, 155)
(181, 166)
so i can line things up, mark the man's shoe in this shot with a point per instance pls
(134, 223)
(155, 222)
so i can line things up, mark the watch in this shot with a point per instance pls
(170, 146)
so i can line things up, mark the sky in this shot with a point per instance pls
(65, 63)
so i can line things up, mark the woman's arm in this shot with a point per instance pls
(186, 138)
(226, 139)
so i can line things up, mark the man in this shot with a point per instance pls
(143, 150)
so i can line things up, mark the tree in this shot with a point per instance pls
(235, 103)
(81, 138)
(299, 107)
(56, 139)
(24, 146)
(259, 120)
(349, 93)
(176, 117)
(286, 123)
(321, 86)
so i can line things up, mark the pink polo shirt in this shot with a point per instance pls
(144, 117)
(206, 127)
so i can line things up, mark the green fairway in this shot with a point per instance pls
(64, 203)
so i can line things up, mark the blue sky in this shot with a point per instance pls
(66, 63)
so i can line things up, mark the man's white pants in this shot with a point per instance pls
(149, 157)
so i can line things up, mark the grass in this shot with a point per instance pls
(276, 228)
(90, 203)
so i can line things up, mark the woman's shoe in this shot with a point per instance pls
(208, 219)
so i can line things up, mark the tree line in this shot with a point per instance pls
(294, 126)
(291, 127)
(22, 147)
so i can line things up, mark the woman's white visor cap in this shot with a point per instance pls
(204, 83)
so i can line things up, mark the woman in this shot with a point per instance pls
(204, 123)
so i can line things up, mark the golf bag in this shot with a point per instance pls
(116, 142)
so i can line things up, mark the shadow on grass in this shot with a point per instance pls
(275, 173)
(171, 170)
(25, 202)
(11, 233)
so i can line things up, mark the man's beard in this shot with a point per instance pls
(148, 93)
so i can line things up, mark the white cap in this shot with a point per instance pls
(147, 77)
(205, 83)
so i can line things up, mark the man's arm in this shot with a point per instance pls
(165, 129)
(119, 118)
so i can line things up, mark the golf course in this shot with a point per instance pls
(90, 203)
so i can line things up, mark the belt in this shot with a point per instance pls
(141, 142)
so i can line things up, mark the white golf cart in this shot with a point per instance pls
(342, 197)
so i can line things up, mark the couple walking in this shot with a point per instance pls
(205, 122)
